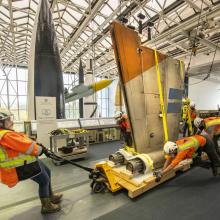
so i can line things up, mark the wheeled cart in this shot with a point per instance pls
(61, 145)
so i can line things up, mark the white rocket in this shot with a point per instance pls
(81, 91)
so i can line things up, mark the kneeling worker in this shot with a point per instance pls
(18, 161)
(185, 148)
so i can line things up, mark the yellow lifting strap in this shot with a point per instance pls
(149, 161)
(181, 70)
(189, 122)
(130, 150)
(161, 98)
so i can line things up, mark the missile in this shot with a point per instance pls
(81, 81)
(82, 90)
(45, 76)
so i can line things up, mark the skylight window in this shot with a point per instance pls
(106, 11)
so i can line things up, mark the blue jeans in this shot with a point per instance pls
(44, 181)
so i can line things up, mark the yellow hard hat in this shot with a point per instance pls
(185, 101)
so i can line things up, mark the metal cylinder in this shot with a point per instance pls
(158, 158)
(135, 165)
(117, 158)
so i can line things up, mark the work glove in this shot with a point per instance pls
(44, 150)
(158, 175)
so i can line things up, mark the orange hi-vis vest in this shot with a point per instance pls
(193, 114)
(124, 123)
(195, 142)
(15, 151)
(187, 147)
(212, 125)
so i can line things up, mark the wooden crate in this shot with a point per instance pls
(138, 184)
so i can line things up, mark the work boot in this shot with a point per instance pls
(48, 207)
(56, 198)
(215, 171)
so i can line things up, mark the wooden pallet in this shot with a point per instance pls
(138, 184)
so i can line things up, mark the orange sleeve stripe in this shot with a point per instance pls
(201, 140)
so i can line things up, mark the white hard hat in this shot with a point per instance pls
(192, 104)
(4, 114)
(170, 147)
(118, 114)
(198, 121)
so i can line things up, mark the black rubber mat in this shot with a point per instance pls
(194, 195)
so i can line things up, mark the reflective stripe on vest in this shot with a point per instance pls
(6, 162)
(191, 142)
(212, 122)
(17, 161)
(30, 149)
(3, 154)
(3, 132)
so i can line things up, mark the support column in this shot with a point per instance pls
(81, 81)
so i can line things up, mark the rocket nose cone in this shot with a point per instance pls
(101, 84)
(107, 81)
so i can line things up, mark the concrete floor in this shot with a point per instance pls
(22, 203)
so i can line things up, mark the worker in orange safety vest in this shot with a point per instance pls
(123, 122)
(186, 148)
(211, 126)
(193, 114)
(19, 161)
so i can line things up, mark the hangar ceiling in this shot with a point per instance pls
(173, 27)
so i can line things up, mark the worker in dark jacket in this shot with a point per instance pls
(193, 115)
(186, 148)
(123, 122)
(211, 127)
(18, 161)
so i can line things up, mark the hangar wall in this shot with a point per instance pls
(208, 91)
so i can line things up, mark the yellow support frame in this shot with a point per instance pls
(161, 98)
(112, 183)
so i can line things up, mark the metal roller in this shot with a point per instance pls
(141, 163)
(117, 158)
(120, 157)
(136, 165)
(157, 158)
